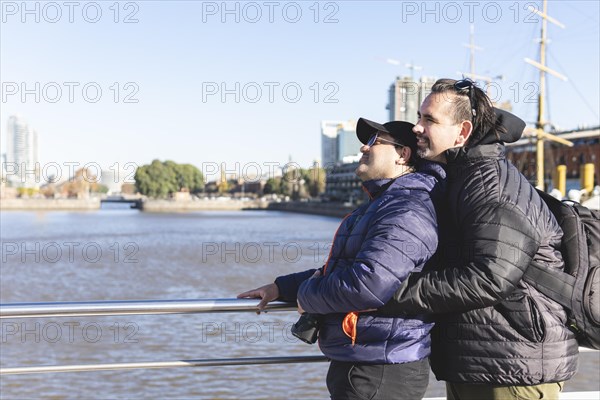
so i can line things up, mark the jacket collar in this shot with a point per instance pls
(458, 154)
(412, 181)
(375, 187)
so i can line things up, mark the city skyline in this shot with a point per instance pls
(195, 83)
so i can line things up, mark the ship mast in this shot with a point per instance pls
(472, 47)
(471, 74)
(541, 65)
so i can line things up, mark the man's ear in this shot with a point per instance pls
(466, 128)
(404, 153)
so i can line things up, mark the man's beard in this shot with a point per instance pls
(423, 152)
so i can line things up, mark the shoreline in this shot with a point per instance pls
(337, 210)
(49, 204)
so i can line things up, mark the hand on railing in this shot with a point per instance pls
(266, 293)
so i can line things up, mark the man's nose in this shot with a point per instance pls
(417, 128)
(364, 148)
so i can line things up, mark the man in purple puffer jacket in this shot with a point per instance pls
(374, 250)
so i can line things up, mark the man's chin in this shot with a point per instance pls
(428, 155)
(360, 173)
(423, 153)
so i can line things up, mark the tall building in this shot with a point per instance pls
(348, 143)
(2, 165)
(329, 142)
(405, 97)
(338, 142)
(22, 157)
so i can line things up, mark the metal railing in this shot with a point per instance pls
(212, 362)
(144, 307)
(136, 307)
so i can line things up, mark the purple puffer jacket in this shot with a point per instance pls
(374, 250)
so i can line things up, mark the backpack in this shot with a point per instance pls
(577, 288)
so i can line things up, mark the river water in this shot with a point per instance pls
(121, 254)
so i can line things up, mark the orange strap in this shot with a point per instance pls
(349, 325)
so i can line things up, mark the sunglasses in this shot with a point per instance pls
(373, 141)
(467, 84)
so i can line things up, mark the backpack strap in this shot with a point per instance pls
(555, 284)
(582, 211)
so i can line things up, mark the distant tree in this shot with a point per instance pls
(26, 192)
(298, 183)
(187, 177)
(233, 185)
(190, 178)
(211, 187)
(272, 186)
(287, 187)
(315, 181)
(223, 185)
(161, 179)
(101, 188)
(290, 182)
(156, 180)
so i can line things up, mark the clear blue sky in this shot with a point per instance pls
(179, 51)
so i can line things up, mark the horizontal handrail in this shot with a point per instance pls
(163, 364)
(136, 307)
(140, 307)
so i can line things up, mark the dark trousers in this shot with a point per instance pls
(355, 381)
(463, 391)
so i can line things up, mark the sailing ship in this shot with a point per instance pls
(567, 160)
(558, 155)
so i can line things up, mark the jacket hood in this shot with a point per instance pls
(512, 124)
(426, 176)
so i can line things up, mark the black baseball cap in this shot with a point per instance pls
(401, 131)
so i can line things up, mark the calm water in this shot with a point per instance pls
(126, 255)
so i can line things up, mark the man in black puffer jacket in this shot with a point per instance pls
(495, 336)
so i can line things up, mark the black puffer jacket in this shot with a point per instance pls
(491, 326)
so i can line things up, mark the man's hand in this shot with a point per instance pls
(267, 293)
